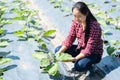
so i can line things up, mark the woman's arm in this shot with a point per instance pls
(79, 56)
(71, 36)
(62, 49)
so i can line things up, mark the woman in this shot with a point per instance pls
(88, 33)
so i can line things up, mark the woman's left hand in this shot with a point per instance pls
(70, 60)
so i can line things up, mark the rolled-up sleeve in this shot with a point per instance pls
(71, 37)
(94, 38)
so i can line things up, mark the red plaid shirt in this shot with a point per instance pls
(94, 44)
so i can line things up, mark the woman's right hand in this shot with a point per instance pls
(58, 52)
(62, 49)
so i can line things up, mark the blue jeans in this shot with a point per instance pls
(83, 64)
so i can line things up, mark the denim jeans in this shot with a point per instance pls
(83, 64)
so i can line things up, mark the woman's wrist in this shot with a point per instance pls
(75, 59)
(59, 52)
(79, 56)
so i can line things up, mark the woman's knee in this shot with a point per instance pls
(81, 66)
(57, 48)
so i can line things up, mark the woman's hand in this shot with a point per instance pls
(70, 60)
(58, 52)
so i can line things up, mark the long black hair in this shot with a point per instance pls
(83, 8)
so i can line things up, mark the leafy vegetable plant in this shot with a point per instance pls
(4, 20)
(113, 47)
(48, 61)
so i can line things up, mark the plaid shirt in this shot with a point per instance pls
(94, 44)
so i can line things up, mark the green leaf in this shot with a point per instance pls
(54, 70)
(112, 10)
(66, 9)
(63, 56)
(14, 10)
(114, 42)
(57, 4)
(49, 32)
(2, 40)
(102, 22)
(1, 78)
(19, 2)
(47, 68)
(25, 28)
(110, 50)
(118, 18)
(34, 22)
(16, 1)
(4, 43)
(91, 5)
(45, 62)
(18, 18)
(3, 8)
(2, 2)
(101, 15)
(33, 32)
(118, 42)
(3, 70)
(4, 22)
(117, 27)
(19, 33)
(1, 31)
(30, 38)
(40, 55)
(51, 56)
(4, 60)
(44, 46)
(40, 41)
(111, 20)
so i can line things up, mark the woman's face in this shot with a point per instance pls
(78, 16)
